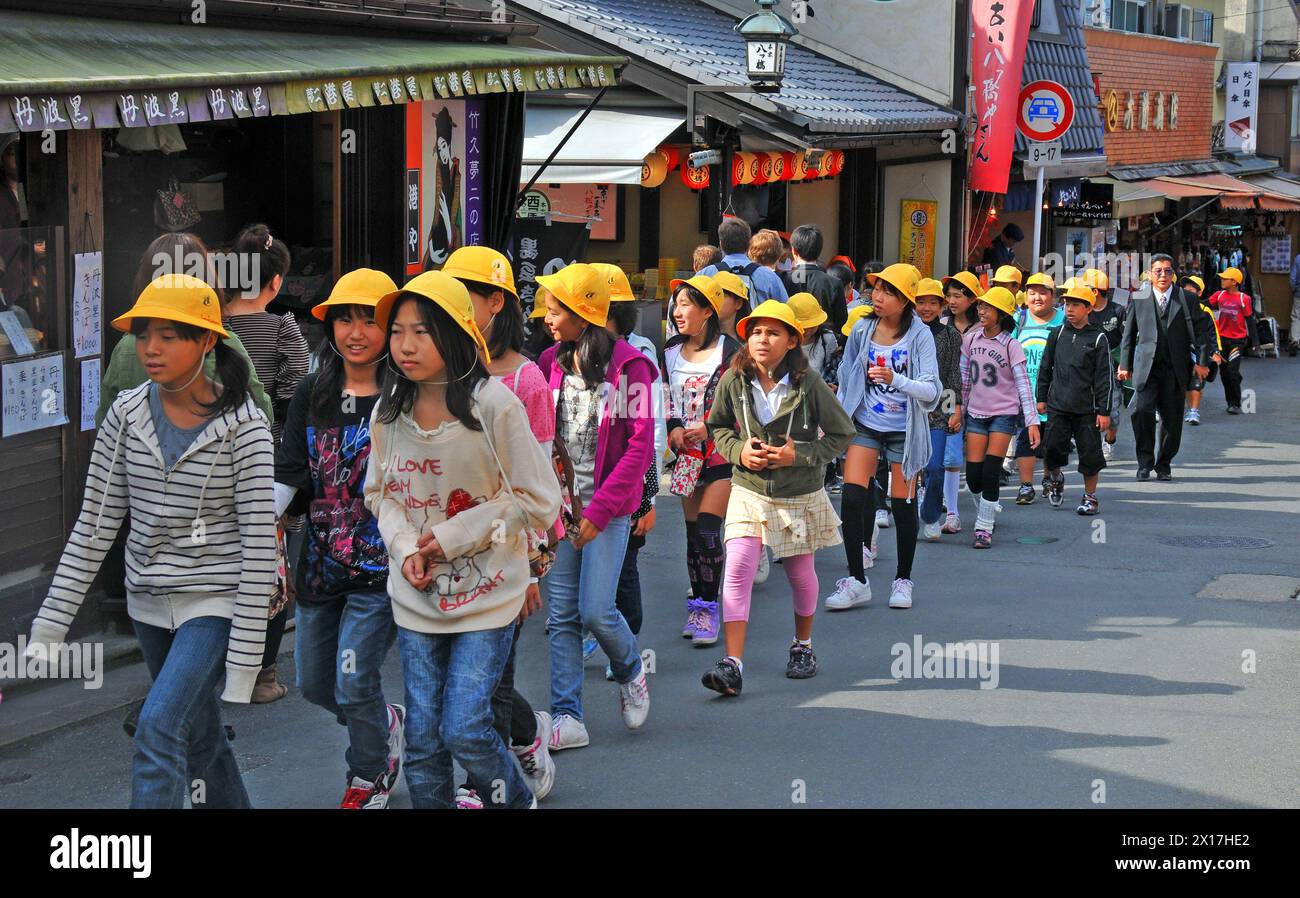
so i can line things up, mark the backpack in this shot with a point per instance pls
(746, 274)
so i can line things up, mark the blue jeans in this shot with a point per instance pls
(180, 743)
(359, 624)
(450, 678)
(582, 588)
(931, 506)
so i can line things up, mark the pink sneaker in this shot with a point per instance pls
(953, 523)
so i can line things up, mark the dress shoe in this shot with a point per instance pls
(1164, 475)
(1144, 473)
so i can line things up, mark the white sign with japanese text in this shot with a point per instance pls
(1242, 93)
(32, 394)
(87, 304)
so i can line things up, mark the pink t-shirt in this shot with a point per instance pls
(530, 386)
(995, 377)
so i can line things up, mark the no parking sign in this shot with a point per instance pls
(1046, 110)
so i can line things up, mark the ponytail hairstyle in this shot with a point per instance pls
(795, 363)
(506, 332)
(232, 371)
(589, 355)
(327, 391)
(463, 369)
(271, 255)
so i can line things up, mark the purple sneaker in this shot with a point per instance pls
(707, 634)
(694, 618)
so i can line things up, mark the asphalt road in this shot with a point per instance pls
(1120, 680)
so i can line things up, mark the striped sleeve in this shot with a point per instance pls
(253, 469)
(1025, 392)
(103, 509)
(294, 358)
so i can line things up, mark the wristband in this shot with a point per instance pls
(533, 581)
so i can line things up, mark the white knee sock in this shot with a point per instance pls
(951, 490)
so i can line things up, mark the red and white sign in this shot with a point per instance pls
(1046, 110)
(1000, 35)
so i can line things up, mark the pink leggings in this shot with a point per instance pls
(738, 581)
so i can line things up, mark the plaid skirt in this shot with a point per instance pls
(795, 526)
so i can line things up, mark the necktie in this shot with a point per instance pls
(1163, 302)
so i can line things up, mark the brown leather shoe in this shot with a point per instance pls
(268, 688)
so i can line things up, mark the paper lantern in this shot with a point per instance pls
(787, 166)
(837, 162)
(800, 170)
(673, 154)
(824, 167)
(654, 169)
(695, 178)
(778, 166)
(743, 169)
(762, 167)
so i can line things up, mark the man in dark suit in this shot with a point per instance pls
(1165, 339)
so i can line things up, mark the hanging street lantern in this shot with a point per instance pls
(766, 35)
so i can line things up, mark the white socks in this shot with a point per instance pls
(987, 516)
(951, 490)
(740, 665)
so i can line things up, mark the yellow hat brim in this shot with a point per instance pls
(384, 309)
(773, 310)
(121, 322)
(555, 286)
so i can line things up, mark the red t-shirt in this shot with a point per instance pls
(1233, 309)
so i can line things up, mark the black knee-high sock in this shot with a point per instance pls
(693, 556)
(975, 476)
(906, 528)
(992, 477)
(710, 556)
(856, 507)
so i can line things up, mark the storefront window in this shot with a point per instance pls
(26, 301)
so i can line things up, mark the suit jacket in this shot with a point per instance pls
(1144, 327)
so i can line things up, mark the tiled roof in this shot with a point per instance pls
(1067, 63)
(700, 44)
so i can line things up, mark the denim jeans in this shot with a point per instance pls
(341, 645)
(450, 678)
(180, 743)
(582, 588)
(931, 507)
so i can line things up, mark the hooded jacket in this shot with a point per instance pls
(202, 541)
(1074, 376)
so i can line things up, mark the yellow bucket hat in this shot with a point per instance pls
(620, 288)
(1200, 284)
(1083, 293)
(1096, 279)
(362, 287)
(929, 287)
(448, 293)
(1007, 274)
(901, 276)
(539, 310)
(1231, 274)
(483, 265)
(967, 280)
(731, 283)
(711, 289)
(582, 289)
(1042, 279)
(778, 310)
(1001, 299)
(176, 297)
(856, 314)
(806, 310)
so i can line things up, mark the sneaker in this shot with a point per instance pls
(1026, 494)
(901, 596)
(568, 732)
(884, 519)
(707, 634)
(932, 531)
(634, 701)
(952, 524)
(983, 539)
(467, 800)
(396, 742)
(802, 664)
(1107, 450)
(1047, 481)
(589, 647)
(869, 552)
(1194, 417)
(535, 759)
(724, 678)
(694, 608)
(849, 593)
(1056, 491)
(1234, 410)
(364, 796)
(1089, 505)
(764, 566)
(834, 487)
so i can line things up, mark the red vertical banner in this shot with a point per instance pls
(411, 204)
(1000, 34)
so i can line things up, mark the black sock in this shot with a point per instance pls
(854, 501)
(975, 477)
(905, 522)
(693, 556)
(710, 556)
(992, 477)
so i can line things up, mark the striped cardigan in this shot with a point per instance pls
(202, 541)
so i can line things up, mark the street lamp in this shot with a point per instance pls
(766, 34)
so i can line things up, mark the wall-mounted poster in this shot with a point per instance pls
(596, 203)
(1275, 254)
(917, 224)
(87, 303)
(443, 193)
(32, 394)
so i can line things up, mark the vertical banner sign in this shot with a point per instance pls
(435, 147)
(1242, 102)
(916, 234)
(89, 392)
(474, 172)
(87, 303)
(412, 199)
(1000, 30)
(542, 248)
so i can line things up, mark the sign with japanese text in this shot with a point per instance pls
(32, 394)
(87, 304)
(1000, 35)
(595, 203)
(444, 149)
(917, 225)
(542, 248)
(1242, 98)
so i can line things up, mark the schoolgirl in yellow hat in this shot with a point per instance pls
(961, 291)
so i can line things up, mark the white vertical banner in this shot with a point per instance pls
(1240, 119)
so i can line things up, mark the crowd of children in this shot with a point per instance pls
(457, 473)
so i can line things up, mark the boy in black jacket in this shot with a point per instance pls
(1074, 389)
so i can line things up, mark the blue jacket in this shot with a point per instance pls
(767, 283)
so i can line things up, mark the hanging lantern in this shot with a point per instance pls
(787, 166)
(654, 169)
(695, 178)
(803, 171)
(743, 169)
(837, 162)
(673, 154)
(826, 164)
(779, 172)
(762, 168)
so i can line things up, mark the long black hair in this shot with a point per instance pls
(970, 315)
(623, 316)
(463, 369)
(232, 371)
(327, 391)
(909, 308)
(712, 326)
(506, 332)
(256, 242)
(591, 353)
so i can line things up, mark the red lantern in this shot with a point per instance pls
(695, 178)
(787, 164)
(779, 172)
(762, 168)
(740, 169)
(673, 154)
(824, 169)
(837, 162)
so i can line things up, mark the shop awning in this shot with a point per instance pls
(1133, 199)
(607, 148)
(61, 72)
(1233, 193)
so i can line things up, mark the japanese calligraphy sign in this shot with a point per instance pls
(1242, 93)
(32, 394)
(1000, 30)
(544, 248)
(444, 144)
(87, 303)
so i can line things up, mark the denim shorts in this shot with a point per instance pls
(954, 449)
(890, 444)
(1007, 424)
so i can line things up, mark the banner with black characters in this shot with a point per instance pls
(542, 248)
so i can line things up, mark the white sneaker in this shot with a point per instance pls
(764, 566)
(932, 531)
(869, 552)
(849, 593)
(634, 700)
(884, 520)
(1107, 450)
(396, 742)
(953, 523)
(535, 759)
(901, 596)
(568, 732)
